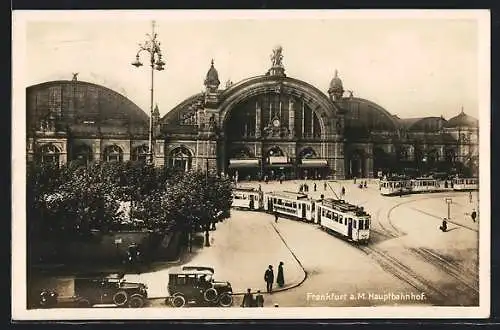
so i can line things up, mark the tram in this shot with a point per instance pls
(291, 204)
(247, 198)
(424, 185)
(394, 187)
(465, 184)
(344, 219)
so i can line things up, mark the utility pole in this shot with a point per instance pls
(448, 201)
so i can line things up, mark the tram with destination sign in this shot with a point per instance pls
(346, 220)
(247, 198)
(465, 184)
(394, 187)
(292, 204)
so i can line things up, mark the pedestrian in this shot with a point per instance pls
(365, 184)
(444, 225)
(269, 278)
(280, 279)
(276, 217)
(343, 191)
(301, 188)
(248, 300)
(259, 299)
(314, 186)
(446, 184)
(470, 196)
(324, 186)
(473, 215)
(354, 180)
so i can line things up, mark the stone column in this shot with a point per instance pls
(97, 150)
(291, 118)
(159, 159)
(369, 166)
(303, 119)
(257, 119)
(126, 151)
(339, 161)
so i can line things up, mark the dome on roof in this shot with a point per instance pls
(85, 108)
(212, 79)
(462, 120)
(336, 83)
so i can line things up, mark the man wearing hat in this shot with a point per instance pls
(269, 278)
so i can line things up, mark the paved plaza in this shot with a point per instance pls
(408, 261)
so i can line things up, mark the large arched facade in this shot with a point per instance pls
(259, 128)
(276, 126)
(270, 126)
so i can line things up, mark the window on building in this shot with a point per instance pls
(49, 154)
(113, 154)
(140, 153)
(82, 154)
(180, 158)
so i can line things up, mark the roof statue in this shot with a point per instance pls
(277, 56)
(75, 76)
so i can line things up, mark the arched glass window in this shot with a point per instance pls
(82, 154)
(140, 153)
(49, 154)
(113, 154)
(180, 158)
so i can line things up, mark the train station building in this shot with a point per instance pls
(270, 124)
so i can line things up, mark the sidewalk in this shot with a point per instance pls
(241, 249)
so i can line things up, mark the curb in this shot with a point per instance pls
(293, 286)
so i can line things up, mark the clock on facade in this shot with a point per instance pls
(276, 122)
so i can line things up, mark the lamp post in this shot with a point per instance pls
(152, 46)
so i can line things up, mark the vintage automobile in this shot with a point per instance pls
(109, 289)
(196, 285)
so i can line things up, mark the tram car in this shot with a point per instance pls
(424, 185)
(246, 198)
(465, 184)
(394, 187)
(344, 219)
(292, 204)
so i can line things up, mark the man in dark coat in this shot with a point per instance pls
(269, 278)
(259, 299)
(280, 279)
(444, 225)
(473, 215)
(248, 300)
(276, 217)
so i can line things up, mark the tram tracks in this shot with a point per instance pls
(406, 274)
(466, 281)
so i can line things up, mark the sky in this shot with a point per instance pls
(412, 66)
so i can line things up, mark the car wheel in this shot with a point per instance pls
(226, 300)
(210, 294)
(136, 301)
(120, 298)
(178, 301)
(83, 303)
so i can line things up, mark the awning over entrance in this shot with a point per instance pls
(274, 160)
(238, 163)
(313, 163)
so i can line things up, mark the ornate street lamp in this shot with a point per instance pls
(152, 46)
